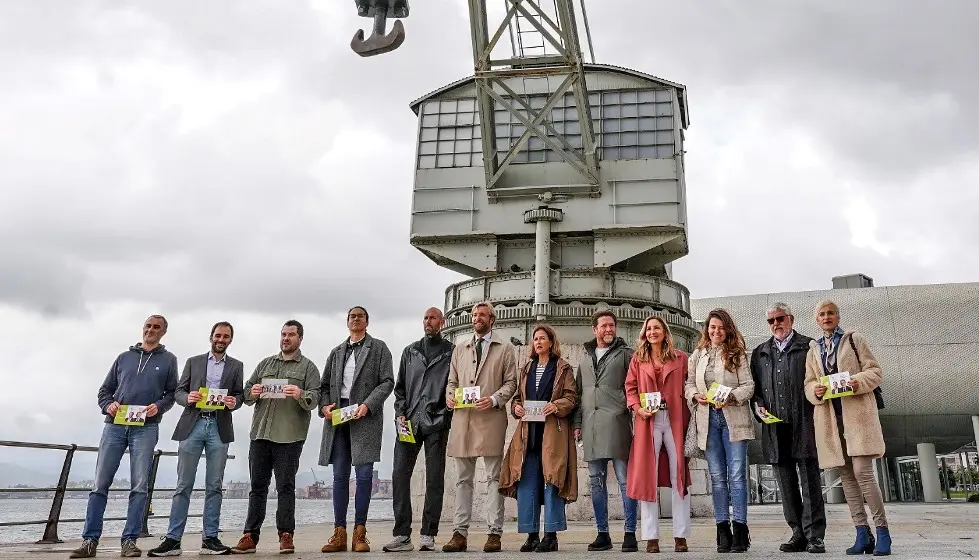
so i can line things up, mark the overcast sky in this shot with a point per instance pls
(234, 160)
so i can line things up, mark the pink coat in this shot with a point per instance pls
(642, 482)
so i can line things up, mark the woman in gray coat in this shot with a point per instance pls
(358, 372)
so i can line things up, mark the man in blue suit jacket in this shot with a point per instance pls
(204, 430)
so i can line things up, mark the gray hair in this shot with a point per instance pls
(780, 306)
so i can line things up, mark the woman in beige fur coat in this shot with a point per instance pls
(848, 433)
(723, 430)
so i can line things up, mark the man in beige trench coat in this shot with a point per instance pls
(489, 362)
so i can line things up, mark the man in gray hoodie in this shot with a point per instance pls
(143, 376)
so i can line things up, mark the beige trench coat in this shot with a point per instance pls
(863, 433)
(475, 433)
(740, 424)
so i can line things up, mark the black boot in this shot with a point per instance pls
(724, 537)
(629, 543)
(741, 541)
(530, 545)
(548, 543)
(602, 542)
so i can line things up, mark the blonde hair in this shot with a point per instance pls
(644, 349)
(825, 303)
(487, 305)
(551, 335)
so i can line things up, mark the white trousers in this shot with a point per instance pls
(663, 436)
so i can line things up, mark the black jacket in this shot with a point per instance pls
(798, 411)
(419, 392)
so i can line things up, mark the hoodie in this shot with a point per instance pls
(141, 378)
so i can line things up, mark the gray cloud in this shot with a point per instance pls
(882, 83)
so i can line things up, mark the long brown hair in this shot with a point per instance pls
(644, 348)
(551, 335)
(733, 348)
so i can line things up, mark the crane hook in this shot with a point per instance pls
(380, 42)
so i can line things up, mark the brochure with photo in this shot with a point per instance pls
(769, 418)
(130, 415)
(273, 389)
(717, 393)
(405, 433)
(651, 402)
(344, 415)
(533, 411)
(466, 397)
(213, 398)
(837, 385)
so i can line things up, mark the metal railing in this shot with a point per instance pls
(54, 516)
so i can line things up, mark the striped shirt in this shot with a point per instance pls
(540, 375)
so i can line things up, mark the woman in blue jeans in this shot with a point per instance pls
(540, 467)
(724, 427)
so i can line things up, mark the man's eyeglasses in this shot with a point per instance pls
(779, 319)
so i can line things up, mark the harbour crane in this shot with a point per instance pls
(546, 57)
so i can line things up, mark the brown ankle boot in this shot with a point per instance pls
(680, 544)
(360, 542)
(286, 545)
(493, 544)
(337, 543)
(457, 544)
(246, 545)
(652, 546)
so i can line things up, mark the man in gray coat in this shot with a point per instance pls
(604, 424)
(358, 372)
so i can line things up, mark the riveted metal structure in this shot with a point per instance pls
(557, 185)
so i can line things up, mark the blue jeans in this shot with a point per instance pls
(598, 475)
(726, 462)
(141, 441)
(203, 438)
(340, 458)
(531, 492)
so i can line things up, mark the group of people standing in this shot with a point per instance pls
(599, 405)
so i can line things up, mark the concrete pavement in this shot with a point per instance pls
(921, 531)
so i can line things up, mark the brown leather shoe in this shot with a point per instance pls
(680, 544)
(246, 545)
(457, 544)
(652, 546)
(360, 542)
(493, 544)
(285, 543)
(337, 543)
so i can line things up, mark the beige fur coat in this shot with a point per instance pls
(864, 436)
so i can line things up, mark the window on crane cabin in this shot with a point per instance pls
(629, 124)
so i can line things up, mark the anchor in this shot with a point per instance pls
(380, 42)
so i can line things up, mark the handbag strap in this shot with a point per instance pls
(855, 353)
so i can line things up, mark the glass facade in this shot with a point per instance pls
(629, 124)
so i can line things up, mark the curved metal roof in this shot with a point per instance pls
(681, 89)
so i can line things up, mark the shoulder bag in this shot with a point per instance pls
(878, 392)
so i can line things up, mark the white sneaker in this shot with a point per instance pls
(399, 544)
(426, 542)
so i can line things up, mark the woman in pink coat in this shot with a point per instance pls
(657, 458)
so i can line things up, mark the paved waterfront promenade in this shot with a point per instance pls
(921, 531)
